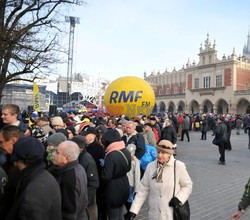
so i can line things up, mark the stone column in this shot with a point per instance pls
(215, 108)
(201, 109)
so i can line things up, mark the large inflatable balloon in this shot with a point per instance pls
(129, 96)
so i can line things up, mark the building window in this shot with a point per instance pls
(206, 82)
(204, 60)
(210, 59)
(196, 83)
(218, 80)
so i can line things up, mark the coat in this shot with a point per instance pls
(88, 163)
(160, 193)
(73, 184)
(38, 195)
(114, 178)
(169, 133)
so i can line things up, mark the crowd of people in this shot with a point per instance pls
(73, 166)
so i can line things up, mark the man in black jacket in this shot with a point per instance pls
(169, 132)
(132, 137)
(38, 194)
(221, 137)
(72, 179)
(88, 163)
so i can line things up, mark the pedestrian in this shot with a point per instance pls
(158, 184)
(228, 123)
(238, 124)
(221, 138)
(88, 163)
(134, 176)
(204, 127)
(132, 137)
(38, 194)
(185, 127)
(72, 179)
(10, 116)
(149, 134)
(114, 174)
(244, 203)
(169, 132)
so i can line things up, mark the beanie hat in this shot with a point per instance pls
(101, 129)
(57, 121)
(80, 141)
(56, 139)
(165, 146)
(110, 136)
(148, 124)
(89, 130)
(27, 148)
(139, 129)
(72, 129)
(63, 131)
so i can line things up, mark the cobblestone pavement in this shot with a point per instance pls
(217, 189)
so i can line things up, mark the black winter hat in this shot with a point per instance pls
(26, 148)
(110, 136)
(80, 141)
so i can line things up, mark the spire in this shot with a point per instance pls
(248, 40)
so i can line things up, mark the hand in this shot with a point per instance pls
(130, 216)
(237, 215)
(174, 202)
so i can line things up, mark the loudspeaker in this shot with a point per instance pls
(30, 108)
(52, 110)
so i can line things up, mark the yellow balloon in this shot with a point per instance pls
(129, 96)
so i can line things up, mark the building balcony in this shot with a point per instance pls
(207, 91)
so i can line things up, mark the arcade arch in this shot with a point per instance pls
(242, 106)
(194, 107)
(171, 107)
(222, 106)
(207, 106)
(162, 107)
(180, 106)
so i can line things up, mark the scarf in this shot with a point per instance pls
(159, 171)
(118, 145)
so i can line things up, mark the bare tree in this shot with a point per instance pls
(28, 38)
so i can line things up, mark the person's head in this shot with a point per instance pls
(80, 141)
(57, 123)
(148, 127)
(26, 151)
(10, 113)
(164, 151)
(152, 120)
(167, 122)
(71, 132)
(42, 121)
(55, 139)
(90, 135)
(122, 125)
(130, 127)
(9, 134)
(65, 153)
(112, 123)
(110, 136)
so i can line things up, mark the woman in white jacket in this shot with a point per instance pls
(158, 184)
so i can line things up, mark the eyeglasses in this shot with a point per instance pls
(165, 147)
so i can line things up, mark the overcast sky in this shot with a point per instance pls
(127, 37)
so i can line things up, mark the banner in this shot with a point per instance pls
(36, 97)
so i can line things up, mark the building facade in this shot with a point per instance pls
(210, 86)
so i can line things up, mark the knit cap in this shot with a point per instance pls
(57, 121)
(56, 139)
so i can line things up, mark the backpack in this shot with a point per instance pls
(148, 157)
(156, 134)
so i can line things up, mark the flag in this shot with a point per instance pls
(36, 97)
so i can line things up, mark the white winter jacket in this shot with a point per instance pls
(160, 193)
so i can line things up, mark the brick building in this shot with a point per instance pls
(211, 85)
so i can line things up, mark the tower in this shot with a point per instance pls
(73, 21)
(246, 49)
